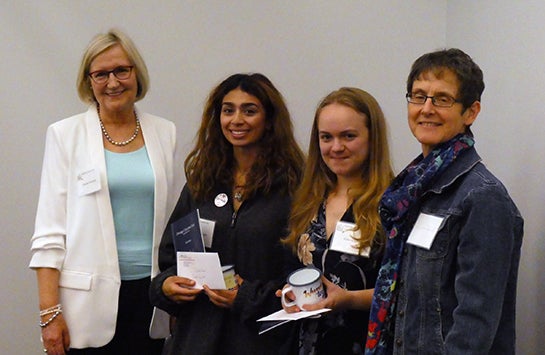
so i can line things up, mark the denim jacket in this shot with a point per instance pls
(459, 296)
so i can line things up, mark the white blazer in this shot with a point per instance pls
(74, 230)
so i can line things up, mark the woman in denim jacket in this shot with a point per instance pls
(448, 281)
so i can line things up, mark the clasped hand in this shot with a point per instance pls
(55, 337)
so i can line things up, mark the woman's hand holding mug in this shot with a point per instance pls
(304, 287)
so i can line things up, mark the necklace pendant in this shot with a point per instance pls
(238, 196)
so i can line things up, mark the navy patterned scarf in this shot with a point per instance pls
(398, 208)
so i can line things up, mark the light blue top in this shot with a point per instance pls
(131, 184)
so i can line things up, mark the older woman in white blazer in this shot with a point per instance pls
(109, 182)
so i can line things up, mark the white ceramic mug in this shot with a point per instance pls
(306, 285)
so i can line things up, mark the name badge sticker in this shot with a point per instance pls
(345, 239)
(88, 182)
(424, 231)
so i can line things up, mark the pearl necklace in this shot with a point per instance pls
(123, 143)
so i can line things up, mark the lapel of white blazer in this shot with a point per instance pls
(96, 152)
(157, 157)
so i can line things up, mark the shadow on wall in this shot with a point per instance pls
(539, 330)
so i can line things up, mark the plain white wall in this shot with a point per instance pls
(506, 38)
(307, 48)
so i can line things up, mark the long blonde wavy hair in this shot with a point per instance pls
(319, 180)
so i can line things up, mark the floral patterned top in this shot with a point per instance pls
(336, 332)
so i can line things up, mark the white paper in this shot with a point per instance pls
(276, 319)
(424, 231)
(345, 239)
(203, 268)
(270, 325)
(207, 230)
(283, 315)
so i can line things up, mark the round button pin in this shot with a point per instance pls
(221, 200)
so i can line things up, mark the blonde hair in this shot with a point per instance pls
(99, 44)
(318, 179)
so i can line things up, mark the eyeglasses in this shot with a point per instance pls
(102, 76)
(439, 100)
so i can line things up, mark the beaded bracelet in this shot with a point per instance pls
(44, 324)
(50, 310)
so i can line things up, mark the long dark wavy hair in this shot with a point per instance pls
(211, 162)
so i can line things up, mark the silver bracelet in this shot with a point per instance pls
(44, 324)
(50, 310)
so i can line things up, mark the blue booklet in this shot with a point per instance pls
(186, 233)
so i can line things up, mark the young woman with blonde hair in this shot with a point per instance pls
(347, 170)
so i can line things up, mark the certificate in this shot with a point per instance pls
(203, 268)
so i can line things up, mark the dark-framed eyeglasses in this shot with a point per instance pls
(439, 100)
(122, 73)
